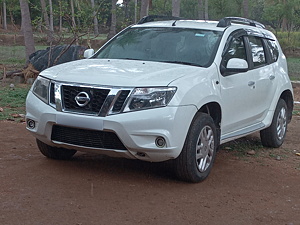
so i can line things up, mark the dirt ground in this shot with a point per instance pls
(249, 185)
(243, 188)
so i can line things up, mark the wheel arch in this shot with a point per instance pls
(287, 96)
(214, 110)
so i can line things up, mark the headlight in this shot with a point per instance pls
(41, 88)
(145, 98)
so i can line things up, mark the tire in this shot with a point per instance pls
(53, 152)
(198, 154)
(274, 135)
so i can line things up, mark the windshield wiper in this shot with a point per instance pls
(183, 63)
(130, 58)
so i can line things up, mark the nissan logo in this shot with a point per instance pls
(82, 99)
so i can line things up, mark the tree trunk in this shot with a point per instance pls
(4, 16)
(96, 30)
(51, 17)
(60, 17)
(112, 30)
(200, 10)
(45, 14)
(150, 4)
(135, 11)
(246, 8)
(12, 20)
(27, 29)
(206, 9)
(47, 24)
(176, 8)
(144, 8)
(73, 14)
(284, 26)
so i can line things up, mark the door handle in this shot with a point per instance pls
(271, 77)
(251, 83)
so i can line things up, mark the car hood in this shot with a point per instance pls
(116, 72)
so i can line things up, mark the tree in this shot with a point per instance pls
(96, 30)
(144, 8)
(13, 8)
(206, 9)
(176, 8)
(246, 8)
(112, 30)
(51, 16)
(200, 10)
(4, 16)
(49, 32)
(73, 14)
(27, 29)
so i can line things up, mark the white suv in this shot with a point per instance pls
(166, 90)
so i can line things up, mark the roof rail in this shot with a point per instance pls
(226, 21)
(152, 18)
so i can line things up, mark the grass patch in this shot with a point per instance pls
(14, 54)
(13, 57)
(296, 110)
(12, 102)
(294, 68)
(242, 146)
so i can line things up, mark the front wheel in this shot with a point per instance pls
(197, 156)
(274, 135)
(53, 152)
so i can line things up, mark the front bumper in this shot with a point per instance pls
(137, 131)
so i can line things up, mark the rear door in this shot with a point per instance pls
(263, 75)
(246, 96)
(237, 89)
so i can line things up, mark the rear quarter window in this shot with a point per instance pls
(258, 51)
(272, 46)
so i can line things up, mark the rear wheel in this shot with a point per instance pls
(53, 152)
(197, 156)
(274, 135)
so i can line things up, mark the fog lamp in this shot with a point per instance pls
(30, 124)
(160, 142)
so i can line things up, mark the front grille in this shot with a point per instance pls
(120, 101)
(86, 138)
(52, 94)
(97, 97)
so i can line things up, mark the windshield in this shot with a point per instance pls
(173, 45)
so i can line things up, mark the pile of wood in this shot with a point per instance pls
(23, 76)
(43, 59)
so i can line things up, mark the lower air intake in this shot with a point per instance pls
(86, 138)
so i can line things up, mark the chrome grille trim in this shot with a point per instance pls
(106, 107)
(109, 102)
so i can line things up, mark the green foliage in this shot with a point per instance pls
(288, 39)
(14, 55)
(282, 14)
(189, 9)
(242, 146)
(12, 101)
(296, 111)
(294, 68)
(161, 7)
(13, 11)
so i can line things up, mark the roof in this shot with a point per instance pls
(250, 26)
(167, 21)
(193, 24)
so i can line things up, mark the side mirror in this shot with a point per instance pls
(237, 65)
(88, 53)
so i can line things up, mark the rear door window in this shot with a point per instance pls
(257, 51)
